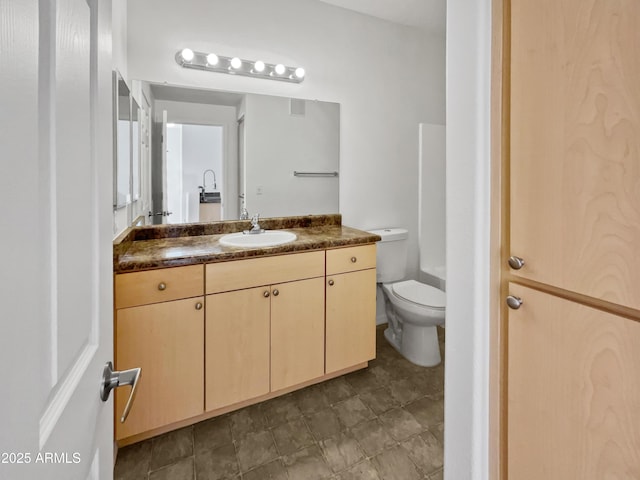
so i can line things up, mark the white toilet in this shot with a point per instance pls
(413, 309)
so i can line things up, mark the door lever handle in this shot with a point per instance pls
(113, 379)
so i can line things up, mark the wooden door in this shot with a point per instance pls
(575, 145)
(56, 224)
(574, 391)
(351, 319)
(237, 346)
(166, 340)
(297, 332)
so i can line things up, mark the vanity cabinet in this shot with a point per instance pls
(263, 336)
(213, 338)
(163, 336)
(297, 332)
(350, 307)
(237, 346)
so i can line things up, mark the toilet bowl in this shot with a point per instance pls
(413, 309)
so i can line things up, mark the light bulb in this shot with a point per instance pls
(280, 69)
(187, 54)
(300, 72)
(212, 59)
(259, 66)
(236, 63)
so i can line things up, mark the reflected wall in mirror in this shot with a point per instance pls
(215, 153)
(122, 142)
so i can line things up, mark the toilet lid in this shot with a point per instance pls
(420, 293)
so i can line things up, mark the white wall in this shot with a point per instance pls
(432, 202)
(277, 143)
(466, 409)
(121, 217)
(386, 77)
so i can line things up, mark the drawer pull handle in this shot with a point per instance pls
(331, 282)
(198, 306)
(266, 294)
(162, 286)
(276, 292)
(354, 259)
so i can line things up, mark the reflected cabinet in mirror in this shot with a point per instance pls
(126, 145)
(215, 154)
(121, 142)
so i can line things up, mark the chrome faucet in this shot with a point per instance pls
(255, 225)
(244, 214)
(204, 180)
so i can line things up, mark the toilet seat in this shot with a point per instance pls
(420, 294)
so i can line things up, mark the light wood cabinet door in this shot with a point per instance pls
(237, 346)
(351, 319)
(574, 391)
(575, 145)
(297, 332)
(166, 341)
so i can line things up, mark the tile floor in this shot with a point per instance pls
(384, 422)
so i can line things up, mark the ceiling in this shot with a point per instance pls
(425, 14)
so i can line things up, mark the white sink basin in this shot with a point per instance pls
(268, 238)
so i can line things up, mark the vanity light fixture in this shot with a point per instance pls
(211, 62)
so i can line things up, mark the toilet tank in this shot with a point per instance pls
(391, 254)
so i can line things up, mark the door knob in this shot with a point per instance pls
(516, 262)
(514, 302)
(331, 282)
(266, 294)
(113, 379)
(276, 292)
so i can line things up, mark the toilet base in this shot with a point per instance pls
(418, 344)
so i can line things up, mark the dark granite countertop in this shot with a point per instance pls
(146, 248)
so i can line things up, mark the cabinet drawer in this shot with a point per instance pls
(350, 259)
(142, 288)
(235, 275)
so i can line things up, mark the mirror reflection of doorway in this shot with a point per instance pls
(193, 172)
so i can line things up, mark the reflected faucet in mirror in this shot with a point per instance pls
(204, 180)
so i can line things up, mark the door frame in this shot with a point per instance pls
(472, 407)
(500, 192)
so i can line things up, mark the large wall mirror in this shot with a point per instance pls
(216, 153)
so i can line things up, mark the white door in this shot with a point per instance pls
(55, 239)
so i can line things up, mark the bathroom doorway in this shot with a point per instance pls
(193, 170)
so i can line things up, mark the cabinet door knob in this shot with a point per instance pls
(354, 259)
(331, 282)
(266, 294)
(276, 292)
(162, 286)
(514, 302)
(516, 262)
(198, 306)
